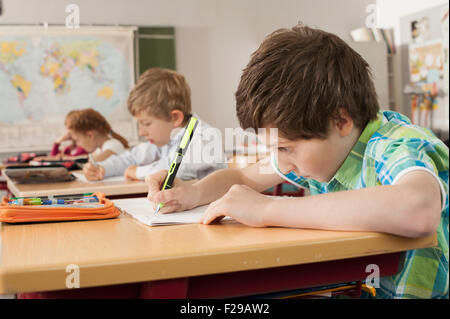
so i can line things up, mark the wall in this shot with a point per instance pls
(240, 27)
(214, 38)
(128, 12)
(396, 14)
(390, 12)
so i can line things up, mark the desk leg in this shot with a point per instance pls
(165, 289)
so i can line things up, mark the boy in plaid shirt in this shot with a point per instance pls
(367, 170)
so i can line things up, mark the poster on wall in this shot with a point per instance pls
(420, 30)
(426, 63)
(47, 72)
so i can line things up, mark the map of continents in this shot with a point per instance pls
(42, 78)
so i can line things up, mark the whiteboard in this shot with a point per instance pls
(46, 72)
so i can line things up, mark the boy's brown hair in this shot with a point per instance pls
(160, 91)
(299, 79)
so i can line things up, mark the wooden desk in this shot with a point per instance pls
(110, 188)
(34, 257)
(113, 189)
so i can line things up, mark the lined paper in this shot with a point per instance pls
(142, 210)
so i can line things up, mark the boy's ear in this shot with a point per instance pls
(177, 118)
(344, 123)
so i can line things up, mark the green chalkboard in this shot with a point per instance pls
(155, 47)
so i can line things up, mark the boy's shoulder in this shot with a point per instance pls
(395, 125)
(397, 146)
(396, 131)
(204, 129)
(204, 134)
(202, 123)
(113, 144)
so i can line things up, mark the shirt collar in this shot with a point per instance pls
(350, 170)
(176, 139)
(177, 136)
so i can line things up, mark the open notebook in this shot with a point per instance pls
(81, 178)
(142, 210)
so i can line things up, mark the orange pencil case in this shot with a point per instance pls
(11, 213)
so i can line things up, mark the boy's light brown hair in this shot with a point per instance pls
(160, 91)
(299, 79)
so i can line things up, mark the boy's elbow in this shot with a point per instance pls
(425, 219)
(424, 229)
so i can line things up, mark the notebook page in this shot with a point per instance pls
(142, 210)
(80, 177)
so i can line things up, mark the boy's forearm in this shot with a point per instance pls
(116, 165)
(216, 184)
(391, 209)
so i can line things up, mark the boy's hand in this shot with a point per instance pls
(93, 173)
(181, 196)
(130, 173)
(241, 203)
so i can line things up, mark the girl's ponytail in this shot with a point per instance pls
(120, 138)
(87, 120)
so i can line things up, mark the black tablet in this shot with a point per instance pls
(38, 174)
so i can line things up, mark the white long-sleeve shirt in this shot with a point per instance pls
(204, 155)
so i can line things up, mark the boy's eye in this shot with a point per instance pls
(283, 149)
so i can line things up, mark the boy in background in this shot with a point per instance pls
(368, 170)
(161, 104)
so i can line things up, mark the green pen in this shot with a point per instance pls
(182, 148)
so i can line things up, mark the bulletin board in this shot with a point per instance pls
(425, 65)
(426, 61)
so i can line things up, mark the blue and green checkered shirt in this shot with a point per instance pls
(389, 147)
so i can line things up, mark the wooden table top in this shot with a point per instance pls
(110, 188)
(34, 257)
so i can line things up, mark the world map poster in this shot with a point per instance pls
(46, 72)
